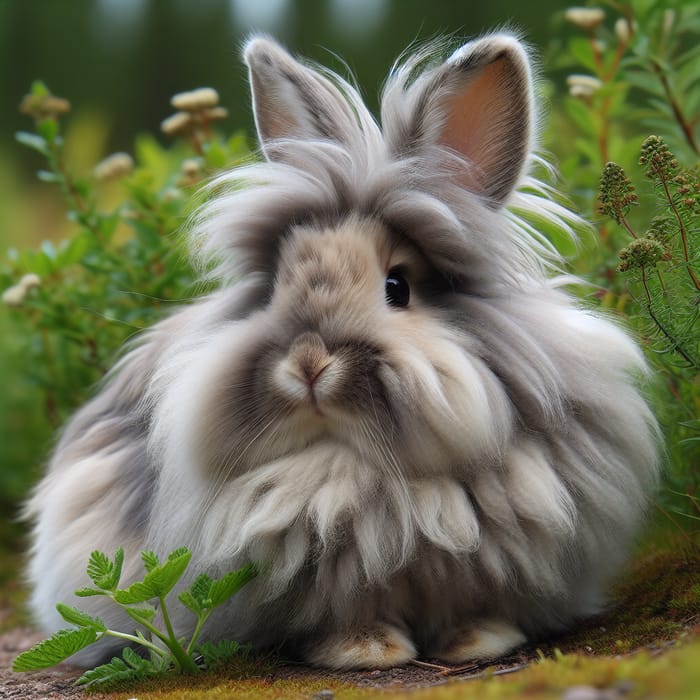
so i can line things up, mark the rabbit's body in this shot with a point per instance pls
(424, 444)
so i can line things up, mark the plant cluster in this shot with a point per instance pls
(142, 601)
(637, 72)
(68, 306)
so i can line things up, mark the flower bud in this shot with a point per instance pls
(194, 100)
(587, 18)
(583, 85)
(176, 123)
(115, 166)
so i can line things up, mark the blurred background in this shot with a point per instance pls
(119, 62)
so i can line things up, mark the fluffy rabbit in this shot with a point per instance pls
(390, 405)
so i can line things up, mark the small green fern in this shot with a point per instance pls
(165, 651)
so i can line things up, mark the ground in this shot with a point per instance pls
(646, 646)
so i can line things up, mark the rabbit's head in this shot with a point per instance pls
(359, 246)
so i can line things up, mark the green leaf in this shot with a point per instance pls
(141, 615)
(39, 89)
(222, 589)
(51, 177)
(55, 649)
(158, 582)
(87, 592)
(216, 653)
(150, 560)
(77, 617)
(33, 141)
(138, 592)
(104, 572)
(191, 603)
(131, 668)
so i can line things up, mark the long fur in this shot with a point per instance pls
(484, 457)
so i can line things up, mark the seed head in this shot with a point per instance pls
(44, 106)
(662, 229)
(658, 158)
(616, 192)
(642, 252)
(587, 18)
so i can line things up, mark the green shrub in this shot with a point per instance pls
(68, 306)
(634, 101)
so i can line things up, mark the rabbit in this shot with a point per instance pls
(391, 404)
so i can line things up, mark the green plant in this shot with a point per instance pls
(165, 650)
(69, 305)
(636, 70)
(662, 264)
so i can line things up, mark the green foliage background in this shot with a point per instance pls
(117, 262)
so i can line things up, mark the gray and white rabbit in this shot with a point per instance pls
(390, 405)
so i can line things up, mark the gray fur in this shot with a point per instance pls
(439, 479)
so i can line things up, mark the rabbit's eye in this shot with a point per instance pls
(396, 289)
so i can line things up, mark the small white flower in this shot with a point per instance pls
(114, 166)
(191, 167)
(623, 31)
(214, 113)
(583, 85)
(15, 295)
(176, 123)
(587, 18)
(194, 100)
(30, 280)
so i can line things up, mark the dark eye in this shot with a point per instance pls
(396, 289)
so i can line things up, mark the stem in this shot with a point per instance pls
(684, 124)
(625, 223)
(138, 640)
(182, 657)
(197, 630)
(674, 343)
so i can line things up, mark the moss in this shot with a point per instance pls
(671, 676)
(655, 602)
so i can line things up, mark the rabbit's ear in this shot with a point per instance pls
(478, 104)
(293, 101)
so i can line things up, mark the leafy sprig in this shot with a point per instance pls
(142, 600)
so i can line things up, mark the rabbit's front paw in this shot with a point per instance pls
(380, 646)
(480, 641)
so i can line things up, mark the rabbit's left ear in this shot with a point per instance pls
(293, 101)
(478, 104)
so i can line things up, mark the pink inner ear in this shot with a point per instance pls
(478, 122)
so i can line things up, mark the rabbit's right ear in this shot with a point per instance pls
(293, 101)
(478, 104)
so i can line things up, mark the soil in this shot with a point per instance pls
(58, 682)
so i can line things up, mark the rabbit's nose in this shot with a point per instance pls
(307, 359)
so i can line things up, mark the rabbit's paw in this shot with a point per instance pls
(381, 646)
(481, 641)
